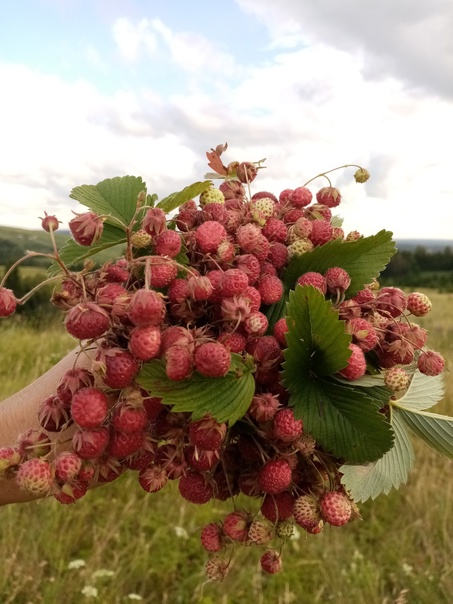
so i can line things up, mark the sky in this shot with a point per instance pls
(92, 89)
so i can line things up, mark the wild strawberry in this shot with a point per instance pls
(209, 235)
(35, 476)
(8, 302)
(178, 291)
(235, 309)
(248, 237)
(122, 444)
(154, 221)
(211, 195)
(280, 329)
(278, 507)
(168, 243)
(256, 324)
(153, 407)
(141, 239)
(201, 460)
(89, 407)
(262, 209)
(306, 511)
(211, 537)
(356, 366)
(430, 363)
(299, 248)
(116, 273)
(144, 342)
(337, 280)
(86, 228)
(286, 427)
(161, 271)
(275, 476)
(194, 487)
(315, 279)
(49, 223)
(234, 341)
(264, 406)
(153, 479)
(87, 321)
(128, 419)
(176, 335)
(253, 296)
(146, 307)
(329, 196)
(250, 265)
(234, 282)
(418, 304)
(396, 378)
(178, 363)
(199, 287)
(236, 525)
(363, 333)
(335, 508)
(285, 195)
(212, 359)
(391, 301)
(275, 230)
(53, 414)
(271, 562)
(300, 197)
(206, 433)
(9, 460)
(261, 532)
(361, 175)
(68, 493)
(321, 232)
(120, 367)
(214, 211)
(67, 466)
(270, 289)
(90, 444)
(246, 172)
(217, 568)
(33, 443)
(232, 189)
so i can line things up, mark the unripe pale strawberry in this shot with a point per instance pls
(396, 379)
(299, 248)
(141, 239)
(89, 407)
(418, 304)
(271, 562)
(430, 363)
(261, 532)
(9, 460)
(306, 511)
(217, 568)
(86, 228)
(87, 321)
(256, 323)
(211, 195)
(361, 175)
(356, 366)
(336, 508)
(212, 359)
(35, 476)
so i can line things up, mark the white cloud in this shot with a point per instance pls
(132, 39)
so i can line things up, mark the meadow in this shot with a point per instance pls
(120, 544)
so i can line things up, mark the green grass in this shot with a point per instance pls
(399, 553)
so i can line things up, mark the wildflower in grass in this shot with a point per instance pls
(102, 573)
(76, 564)
(134, 597)
(181, 532)
(89, 591)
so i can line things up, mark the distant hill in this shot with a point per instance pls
(430, 245)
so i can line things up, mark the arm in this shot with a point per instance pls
(18, 413)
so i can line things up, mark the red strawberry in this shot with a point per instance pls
(87, 321)
(275, 476)
(336, 508)
(89, 407)
(194, 487)
(271, 562)
(212, 359)
(211, 537)
(90, 444)
(146, 307)
(207, 433)
(144, 342)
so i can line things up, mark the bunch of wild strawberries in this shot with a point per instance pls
(193, 316)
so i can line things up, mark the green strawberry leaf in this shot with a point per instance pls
(363, 259)
(226, 399)
(115, 198)
(317, 341)
(175, 200)
(390, 471)
(436, 430)
(343, 418)
(424, 392)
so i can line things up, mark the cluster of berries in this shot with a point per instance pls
(191, 290)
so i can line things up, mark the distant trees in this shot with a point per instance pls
(420, 268)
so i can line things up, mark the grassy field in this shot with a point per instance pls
(126, 545)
